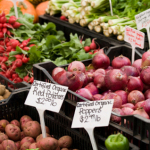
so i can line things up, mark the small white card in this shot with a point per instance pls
(92, 114)
(134, 37)
(143, 19)
(46, 96)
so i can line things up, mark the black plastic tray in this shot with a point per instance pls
(68, 28)
(14, 108)
(11, 86)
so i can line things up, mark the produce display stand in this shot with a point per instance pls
(68, 28)
(14, 108)
(11, 86)
(140, 138)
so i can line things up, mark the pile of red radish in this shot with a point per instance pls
(7, 45)
(92, 49)
(128, 84)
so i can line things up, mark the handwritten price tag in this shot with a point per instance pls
(135, 38)
(46, 96)
(143, 21)
(92, 114)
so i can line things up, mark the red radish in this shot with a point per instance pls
(95, 51)
(32, 45)
(130, 71)
(31, 80)
(3, 19)
(147, 94)
(14, 43)
(139, 105)
(91, 53)
(18, 62)
(4, 30)
(97, 96)
(89, 76)
(146, 59)
(26, 78)
(8, 33)
(12, 19)
(14, 76)
(93, 45)
(8, 74)
(129, 105)
(76, 66)
(134, 83)
(100, 61)
(3, 67)
(120, 61)
(4, 59)
(115, 80)
(25, 42)
(26, 48)
(117, 99)
(18, 79)
(127, 111)
(63, 18)
(115, 118)
(135, 96)
(55, 71)
(99, 71)
(141, 112)
(16, 25)
(145, 75)
(87, 48)
(92, 88)
(146, 106)
(7, 25)
(1, 25)
(69, 79)
(137, 64)
(85, 93)
(1, 35)
(18, 56)
(25, 60)
(8, 49)
(2, 49)
(123, 95)
(99, 80)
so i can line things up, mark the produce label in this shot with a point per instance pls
(134, 37)
(92, 114)
(143, 19)
(46, 96)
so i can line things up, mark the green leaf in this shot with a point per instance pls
(12, 53)
(18, 49)
(51, 41)
(87, 42)
(60, 61)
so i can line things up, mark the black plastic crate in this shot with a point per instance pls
(14, 108)
(11, 86)
(68, 28)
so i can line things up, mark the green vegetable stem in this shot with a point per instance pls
(117, 142)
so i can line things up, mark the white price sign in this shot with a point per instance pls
(92, 114)
(46, 96)
(135, 38)
(143, 21)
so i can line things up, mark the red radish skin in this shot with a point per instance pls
(120, 61)
(123, 95)
(97, 97)
(145, 75)
(16, 25)
(137, 64)
(69, 79)
(129, 105)
(85, 93)
(147, 106)
(135, 96)
(130, 71)
(115, 80)
(93, 45)
(147, 94)
(141, 112)
(63, 18)
(92, 88)
(87, 48)
(146, 59)
(139, 105)
(134, 83)
(114, 118)
(117, 99)
(12, 19)
(56, 70)
(127, 111)
(76, 66)
(99, 71)
(100, 61)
